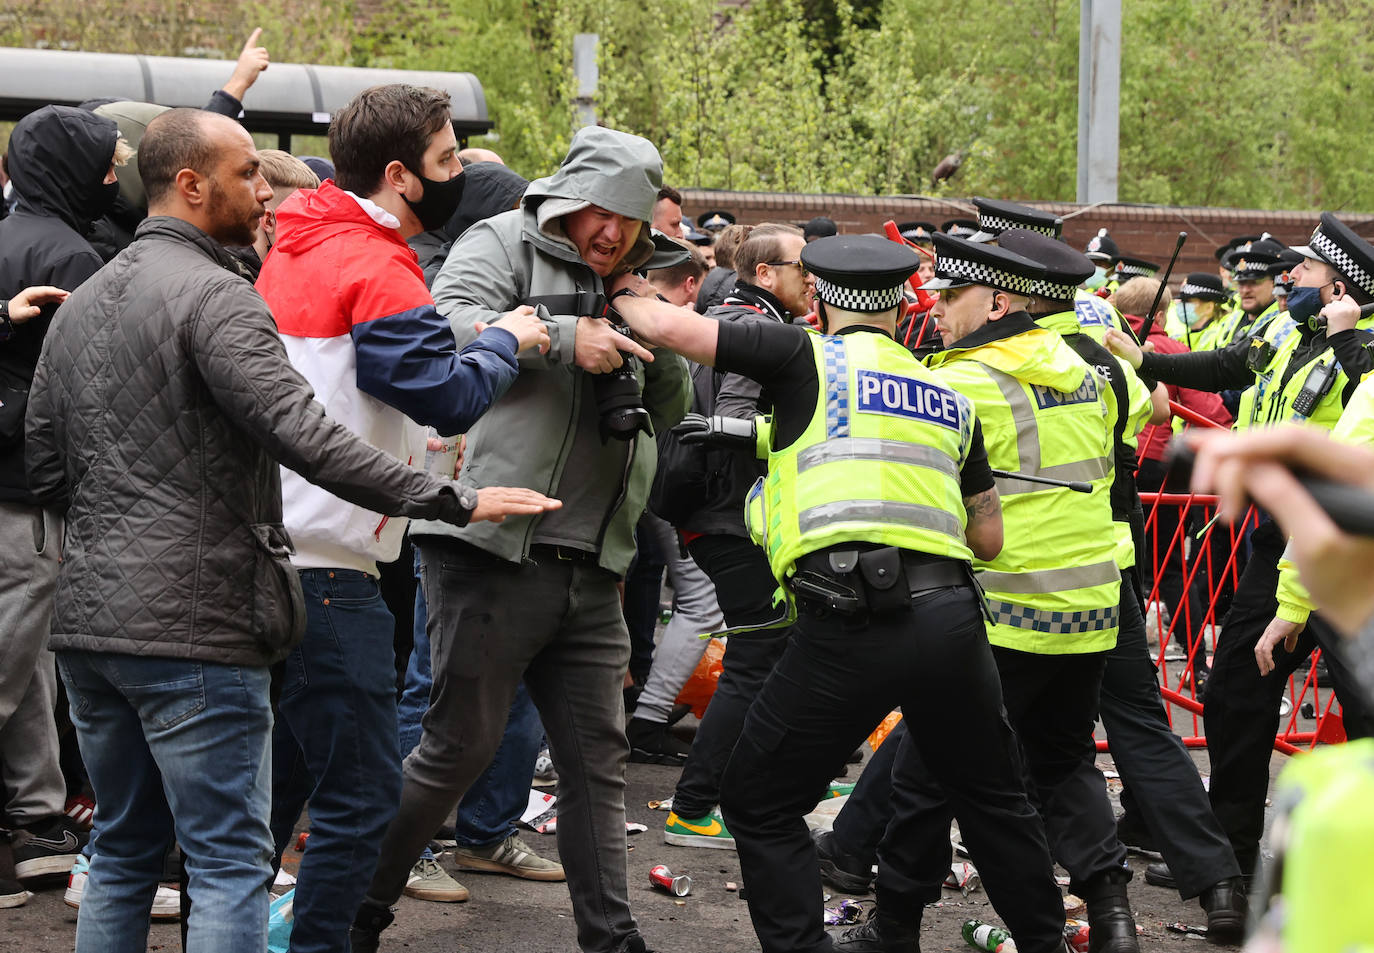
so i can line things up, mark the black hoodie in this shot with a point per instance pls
(58, 157)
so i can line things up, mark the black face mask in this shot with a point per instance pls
(101, 200)
(438, 201)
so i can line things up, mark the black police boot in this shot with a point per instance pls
(1159, 875)
(840, 870)
(1111, 928)
(365, 936)
(1226, 907)
(878, 934)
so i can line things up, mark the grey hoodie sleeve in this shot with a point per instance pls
(244, 365)
(482, 279)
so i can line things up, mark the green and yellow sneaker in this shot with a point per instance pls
(708, 831)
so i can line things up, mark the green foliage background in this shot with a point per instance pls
(1250, 103)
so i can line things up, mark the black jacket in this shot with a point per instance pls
(717, 284)
(162, 406)
(734, 396)
(57, 159)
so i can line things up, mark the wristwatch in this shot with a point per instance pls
(6, 325)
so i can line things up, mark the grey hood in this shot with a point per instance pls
(619, 172)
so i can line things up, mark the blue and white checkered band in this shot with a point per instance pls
(1134, 271)
(1198, 291)
(1341, 260)
(997, 224)
(976, 272)
(864, 300)
(1054, 290)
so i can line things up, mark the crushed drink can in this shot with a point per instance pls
(1076, 935)
(662, 878)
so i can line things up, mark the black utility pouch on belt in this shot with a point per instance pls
(884, 579)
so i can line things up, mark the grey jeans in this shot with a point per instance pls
(558, 625)
(694, 612)
(33, 787)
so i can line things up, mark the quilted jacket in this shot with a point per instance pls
(162, 404)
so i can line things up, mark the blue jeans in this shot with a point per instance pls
(488, 811)
(338, 703)
(172, 745)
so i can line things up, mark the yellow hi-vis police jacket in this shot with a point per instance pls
(879, 462)
(1054, 589)
(1355, 427)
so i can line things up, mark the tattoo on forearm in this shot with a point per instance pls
(983, 505)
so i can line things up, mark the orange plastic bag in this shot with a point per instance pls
(884, 728)
(701, 685)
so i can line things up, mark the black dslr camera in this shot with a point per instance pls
(619, 404)
(618, 401)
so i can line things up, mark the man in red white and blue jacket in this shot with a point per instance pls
(358, 322)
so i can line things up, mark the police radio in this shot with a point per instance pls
(1314, 388)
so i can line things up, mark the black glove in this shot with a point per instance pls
(730, 432)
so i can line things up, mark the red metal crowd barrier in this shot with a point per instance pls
(1194, 562)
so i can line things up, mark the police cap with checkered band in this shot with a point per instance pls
(1256, 261)
(1204, 286)
(1335, 243)
(862, 273)
(1065, 268)
(1128, 266)
(995, 217)
(959, 263)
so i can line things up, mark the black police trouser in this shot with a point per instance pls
(1052, 702)
(1154, 764)
(1241, 707)
(744, 590)
(838, 677)
(1172, 572)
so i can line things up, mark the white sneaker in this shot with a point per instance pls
(166, 903)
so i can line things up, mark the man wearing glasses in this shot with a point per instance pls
(771, 286)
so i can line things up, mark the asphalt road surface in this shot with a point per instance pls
(519, 916)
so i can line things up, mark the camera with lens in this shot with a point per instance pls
(619, 404)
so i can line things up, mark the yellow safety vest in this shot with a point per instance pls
(1096, 316)
(1355, 427)
(879, 461)
(1323, 834)
(1276, 335)
(1054, 589)
(1137, 415)
(1276, 405)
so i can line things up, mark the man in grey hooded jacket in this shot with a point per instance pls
(537, 598)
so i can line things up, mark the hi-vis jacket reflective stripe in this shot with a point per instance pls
(1355, 427)
(879, 461)
(1054, 588)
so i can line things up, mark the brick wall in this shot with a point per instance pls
(1145, 231)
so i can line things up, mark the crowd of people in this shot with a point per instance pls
(352, 484)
